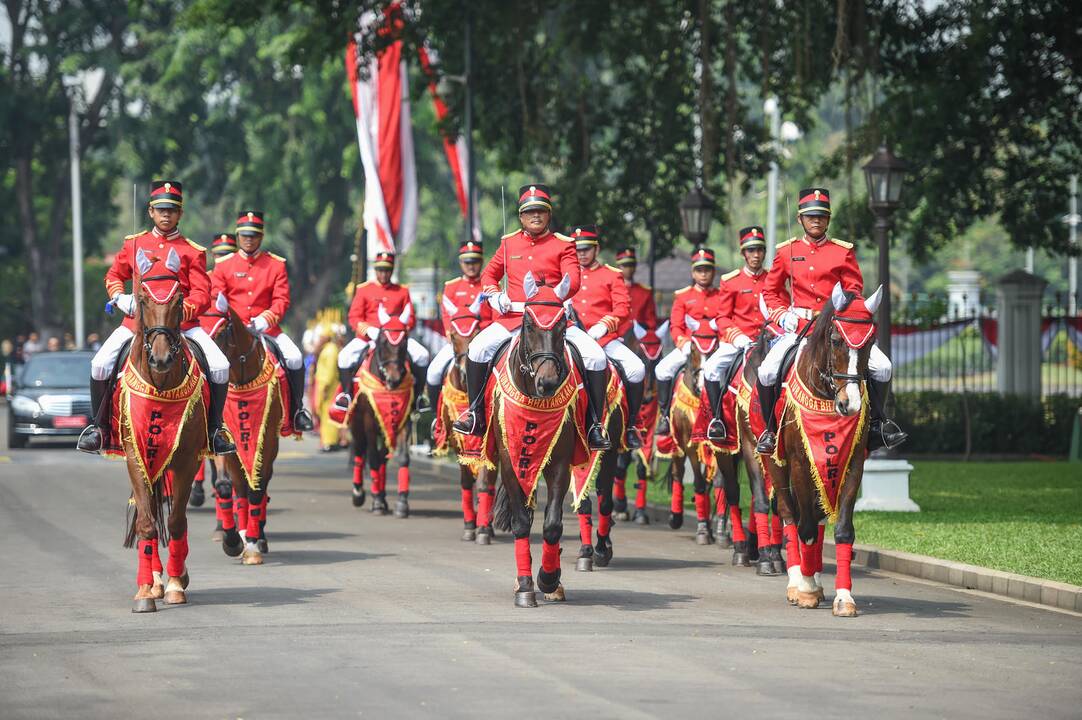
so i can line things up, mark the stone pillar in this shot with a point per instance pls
(963, 292)
(1018, 370)
(885, 486)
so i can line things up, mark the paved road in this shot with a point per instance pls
(377, 617)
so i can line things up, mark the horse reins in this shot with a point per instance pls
(527, 364)
(243, 357)
(825, 377)
(176, 342)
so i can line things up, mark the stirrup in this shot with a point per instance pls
(469, 423)
(716, 431)
(767, 443)
(422, 404)
(596, 438)
(221, 443)
(86, 444)
(663, 428)
(342, 402)
(632, 438)
(302, 421)
(891, 434)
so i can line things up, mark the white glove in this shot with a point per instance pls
(789, 321)
(221, 304)
(741, 342)
(372, 333)
(260, 323)
(125, 303)
(598, 331)
(500, 303)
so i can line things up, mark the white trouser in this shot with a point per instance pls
(439, 364)
(483, 347)
(670, 364)
(628, 361)
(351, 353)
(290, 352)
(718, 364)
(879, 365)
(103, 365)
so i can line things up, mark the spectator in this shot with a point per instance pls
(69, 341)
(54, 344)
(93, 342)
(7, 363)
(32, 345)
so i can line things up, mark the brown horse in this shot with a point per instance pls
(251, 379)
(160, 357)
(538, 369)
(829, 411)
(465, 325)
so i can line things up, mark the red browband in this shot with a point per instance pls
(821, 197)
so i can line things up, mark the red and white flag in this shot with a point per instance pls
(385, 135)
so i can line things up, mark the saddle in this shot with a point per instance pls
(272, 345)
(122, 359)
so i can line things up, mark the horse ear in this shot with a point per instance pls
(713, 324)
(449, 307)
(404, 316)
(692, 323)
(529, 285)
(220, 303)
(382, 315)
(662, 330)
(872, 303)
(564, 287)
(640, 331)
(763, 308)
(143, 261)
(172, 262)
(838, 298)
(475, 306)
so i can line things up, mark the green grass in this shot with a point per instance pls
(1021, 517)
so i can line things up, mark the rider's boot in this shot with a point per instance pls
(715, 431)
(220, 442)
(767, 398)
(664, 399)
(472, 422)
(422, 403)
(93, 438)
(433, 394)
(302, 419)
(597, 383)
(883, 432)
(634, 402)
(345, 379)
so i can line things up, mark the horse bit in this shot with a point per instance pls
(531, 363)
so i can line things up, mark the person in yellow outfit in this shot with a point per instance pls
(328, 343)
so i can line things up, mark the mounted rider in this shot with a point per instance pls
(256, 284)
(603, 305)
(165, 208)
(739, 321)
(699, 301)
(364, 319)
(221, 245)
(812, 265)
(643, 307)
(462, 293)
(548, 256)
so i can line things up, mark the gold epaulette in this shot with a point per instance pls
(730, 275)
(223, 258)
(781, 245)
(132, 237)
(563, 237)
(196, 245)
(644, 286)
(510, 234)
(843, 243)
(614, 269)
(277, 257)
(683, 290)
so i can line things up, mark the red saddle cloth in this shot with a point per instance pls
(695, 407)
(583, 476)
(647, 425)
(392, 407)
(443, 440)
(153, 421)
(246, 414)
(531, 426)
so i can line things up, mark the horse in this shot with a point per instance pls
(538, 377)
(646, 344)
(254, 409)
(161, 365)
(379, 421)
(818, 464)
(477, 524)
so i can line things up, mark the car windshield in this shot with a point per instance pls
(56, 370)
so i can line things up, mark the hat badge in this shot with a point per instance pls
(168, 186)
(578, 231)
(251, 215)
(816, 194)
(533, 189)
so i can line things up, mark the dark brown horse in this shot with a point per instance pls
(832, 367)
(160, 356)
(248, 372)
(538, 368)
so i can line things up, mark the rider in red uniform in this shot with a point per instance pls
(256, 284)
(643, 307)
(221, 245)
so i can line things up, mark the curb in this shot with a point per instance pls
(1063, 596)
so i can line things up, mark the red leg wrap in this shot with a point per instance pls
(403, 479)
(484, 508)
(586, 530)
(178, 553)
(762, 527)
(702, 507)
(201, 473)
(792, 546)
(736, 522)
(255, 515)
(375, 481)
(156, 559)
(719, 500)
(550, 557)
(619, 488)
(358, 471)
(819, 548)
(677, 505)
(640, 494)
(224, 511)
(522, 556)
(467, 506)
(242, 513)
(844, 557)
(383, 477)
(145, 575)
(809, 565)
(775, 529)
(604, 524)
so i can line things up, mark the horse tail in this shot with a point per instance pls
(501, 509)
(160, 506)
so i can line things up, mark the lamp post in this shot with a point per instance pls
(885, 175)
(696, 214)
(74, 85)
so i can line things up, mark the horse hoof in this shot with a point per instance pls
(790, 594)
(724, 541)
(232, 544)
(702, 535)
(844, 608)
(144, 605)
(358, 497)
(379, 507)
(198, 497)
(621, 516)
(556, 595)
(602, 557)
(261, 543)
(741, 559)
(525, 599)
(765, 567)
(402, 508)
(217, 535)
(583, 564)
(483, 537)
(251, 556)
(641, 518)
(807, 600)
(469, 535)
(157, 590)
(779, 566)
(676, 520)
(183, 580)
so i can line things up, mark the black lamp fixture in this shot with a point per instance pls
(696, 214)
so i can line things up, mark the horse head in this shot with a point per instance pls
(541, 343)
(704, 340)
(389, 357)
(239, 345)
(465, 325)
(159, 309)
(839, 345)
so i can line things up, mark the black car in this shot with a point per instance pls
(50, 397)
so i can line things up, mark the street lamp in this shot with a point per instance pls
(696, 214)
(885, 175)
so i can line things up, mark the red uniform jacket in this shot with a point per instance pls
(548, 257)
(602, 298)
(643, 308)
(254, 285)
(738, 303)
(194, 283)
(462, 292)
(211, 319)
(811, 270)
(364, 310)
(692, 300)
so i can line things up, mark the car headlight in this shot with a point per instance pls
(25, 406)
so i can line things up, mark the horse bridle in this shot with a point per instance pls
(380, 363)
(830, 379)
(176, 342)
(527, 364)
(243, 357)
